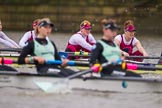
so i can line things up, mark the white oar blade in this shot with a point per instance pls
(58, 87)
(45, 86)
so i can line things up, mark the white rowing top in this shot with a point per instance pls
(4, 39)
(23, 41)
(78, 39)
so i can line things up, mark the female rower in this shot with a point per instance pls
(42, 49)
(30, 35)
(128, 41)
(106, 50)
(4, 39)
(82, 40)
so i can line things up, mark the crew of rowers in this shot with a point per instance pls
(110, 48)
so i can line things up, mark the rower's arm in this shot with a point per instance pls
(96, 53)
(141, 49)
(27, 50)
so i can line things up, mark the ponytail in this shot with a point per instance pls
(127, 23)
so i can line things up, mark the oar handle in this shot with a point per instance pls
(7, 61)
(131, 66)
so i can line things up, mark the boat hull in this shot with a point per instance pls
(107, 84)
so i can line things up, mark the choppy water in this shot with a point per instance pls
(18, 98)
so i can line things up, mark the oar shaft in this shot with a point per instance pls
(76, 53)
(56, 62)
(130, 66)
(143, 57)
(70, 63)
(79, 74)
(73, 55)
(9, 55)
(11, 49)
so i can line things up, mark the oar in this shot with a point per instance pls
(7, 61)
(78, 63)
(143, 57)
(9, 55)
(11, 49)
(71, 54)
(61, 85)
(78, 53)
(69, 63)
(157, 72)
(131, 66)
(124, 65)
(87, 54)
(137, 62)
(62, 54)
(56, 62)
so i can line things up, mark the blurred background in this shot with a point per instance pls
(17, 15)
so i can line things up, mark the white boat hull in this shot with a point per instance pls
(111, 84)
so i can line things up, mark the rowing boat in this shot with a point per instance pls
(81, 68)
(115, 84)
(159, 72)
(105, 84)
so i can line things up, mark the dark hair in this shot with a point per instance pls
(109, 24)
(105, 21)
(43, 22)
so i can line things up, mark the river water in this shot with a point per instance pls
(20, 98)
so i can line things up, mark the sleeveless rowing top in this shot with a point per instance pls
(45, 51)
(30, 38)
(109, 52)
(127, 48)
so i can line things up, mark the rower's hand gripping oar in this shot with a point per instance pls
(61, 85)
